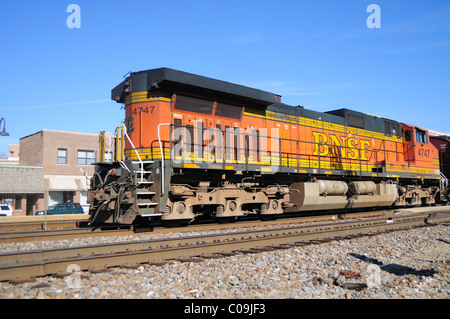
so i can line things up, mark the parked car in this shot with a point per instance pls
(5, 210)
(63, 208)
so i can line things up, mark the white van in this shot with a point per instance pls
(5, 210)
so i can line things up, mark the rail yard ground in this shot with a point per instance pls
(411, 264)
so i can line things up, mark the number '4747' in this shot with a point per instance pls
(141, 109)
(424, 152)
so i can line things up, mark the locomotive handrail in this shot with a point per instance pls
(376, 158)
(162, 156)
(137, 154)
(444, 180)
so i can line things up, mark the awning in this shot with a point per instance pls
(83, 183)
(62, 184)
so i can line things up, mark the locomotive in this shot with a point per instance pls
(195, 147)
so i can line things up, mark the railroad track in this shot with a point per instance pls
(85, 232)
(56, 261)
(70, 233)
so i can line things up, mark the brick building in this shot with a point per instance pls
(64, 158)
(49, 167)
(12, 158)
(22, 187)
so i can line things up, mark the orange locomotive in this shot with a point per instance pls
(196, 147)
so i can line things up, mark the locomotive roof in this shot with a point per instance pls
(173, 81)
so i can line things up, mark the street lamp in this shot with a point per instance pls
(3, 133)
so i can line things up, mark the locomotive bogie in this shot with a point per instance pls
(411, 195)
(229, 200)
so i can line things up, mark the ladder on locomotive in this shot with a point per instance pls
(145, 187)
(146, 197)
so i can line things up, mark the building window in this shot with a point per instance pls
(108, 157)
(85, 157)
(9, 201)
(18, 203)
(62, 156)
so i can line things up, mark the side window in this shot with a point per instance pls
(392, 128)
(408, 136)
(421, 136)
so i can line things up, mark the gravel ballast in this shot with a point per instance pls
(411, 264)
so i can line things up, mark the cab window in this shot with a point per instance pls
(421, 136)
(408, 136)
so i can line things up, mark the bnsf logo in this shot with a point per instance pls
(346, 147)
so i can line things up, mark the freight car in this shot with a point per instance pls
(442, 142)
(195, 146)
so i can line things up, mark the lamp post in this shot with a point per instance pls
(3, 133)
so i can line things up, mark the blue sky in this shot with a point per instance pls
(319, 54)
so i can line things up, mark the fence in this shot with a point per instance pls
(25, 211)
(25, 192)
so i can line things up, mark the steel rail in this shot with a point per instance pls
(52, 261)
(39, 235)
(70, 233)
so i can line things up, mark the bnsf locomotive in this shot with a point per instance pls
(195, 146)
